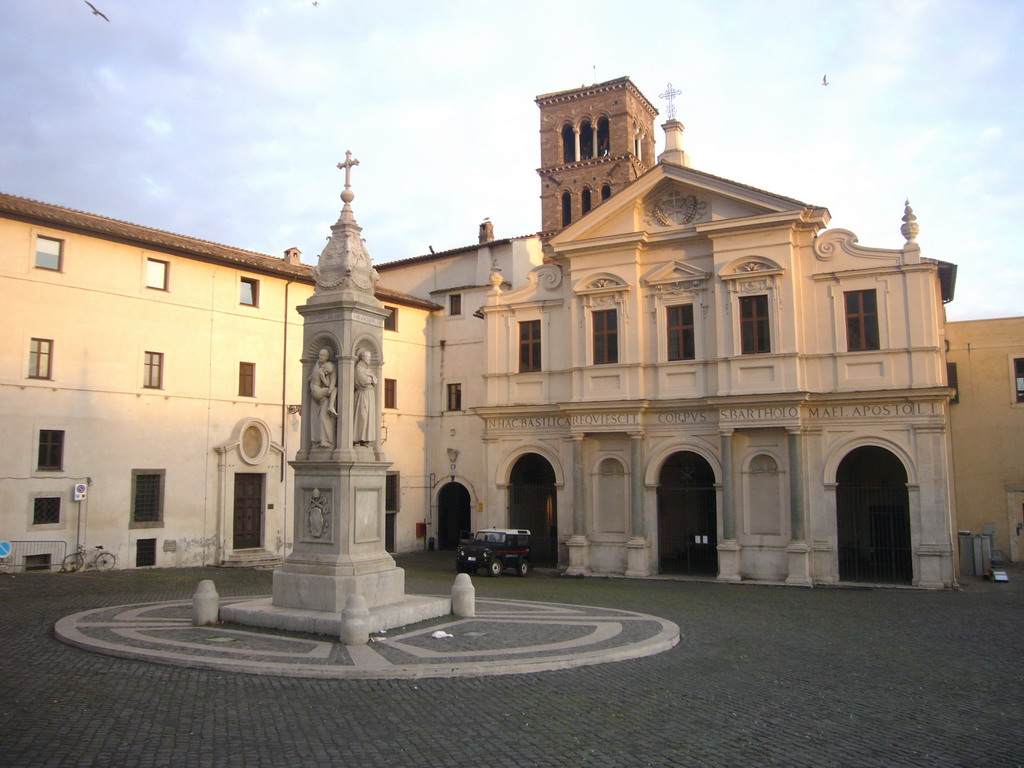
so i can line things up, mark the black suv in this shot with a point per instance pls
(495, 549)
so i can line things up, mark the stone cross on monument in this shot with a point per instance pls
(347, 166)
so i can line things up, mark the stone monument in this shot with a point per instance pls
(340, 467)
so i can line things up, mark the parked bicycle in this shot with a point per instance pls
(79, 560)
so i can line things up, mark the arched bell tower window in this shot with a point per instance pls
(585, 199)
(586, 140)
(604, 139)
(606, 191)
(566, 209)
(568, 144)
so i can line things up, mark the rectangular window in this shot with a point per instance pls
(249, 292)
(454, 397)
(247, 379)
(390, 393)
(391, 494)
(46, 510)
(529, 346)
(951, 382)
(156, 274)
(679, 325)
(755, 334)
(145, 553)
(49, 253)
(51, 449)
(147, 495)
(455, 304)
(606, 336)
(153, 370)
(1018, 374)
(40, 359)
(391, 321)
(861, 320)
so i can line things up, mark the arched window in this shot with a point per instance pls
(585, 199)
(568, 144)
(606, 191)
(566, 209)
(586, 140)
(604, 139)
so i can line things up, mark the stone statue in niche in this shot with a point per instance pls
(364, 401)
(323, 389)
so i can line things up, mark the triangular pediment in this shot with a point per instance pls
(669, 200)
(675, 272)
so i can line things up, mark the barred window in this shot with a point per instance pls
(147, 496)
(46, 510)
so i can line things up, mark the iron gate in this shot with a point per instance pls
(873, 527)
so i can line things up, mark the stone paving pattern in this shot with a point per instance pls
(505, 637)
(762, 676)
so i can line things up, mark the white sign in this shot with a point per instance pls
(80, 491)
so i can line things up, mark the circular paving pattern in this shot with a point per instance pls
(505, 637)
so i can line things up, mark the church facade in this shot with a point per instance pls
(680, 374)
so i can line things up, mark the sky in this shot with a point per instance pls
(225, 120)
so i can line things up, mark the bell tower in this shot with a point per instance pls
(593, 141)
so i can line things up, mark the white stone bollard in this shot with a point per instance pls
(205, 604)
(355, 627)
(464, 596)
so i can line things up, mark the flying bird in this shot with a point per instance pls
(824, 80)
(96, 12)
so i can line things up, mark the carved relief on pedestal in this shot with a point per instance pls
(318, 514)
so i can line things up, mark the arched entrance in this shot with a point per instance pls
(873, 517)
(687, 528)
(533, 505)
(453, 515)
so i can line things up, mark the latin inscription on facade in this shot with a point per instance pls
(766, 413)
(572, 420)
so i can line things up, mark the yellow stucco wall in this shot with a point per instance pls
(988, 429)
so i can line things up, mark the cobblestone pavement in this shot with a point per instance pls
(762, 676)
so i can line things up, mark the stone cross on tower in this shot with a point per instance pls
(670, 95)
(347, 167)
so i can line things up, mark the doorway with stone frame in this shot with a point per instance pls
(247, 528)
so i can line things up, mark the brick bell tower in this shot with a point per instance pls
(593, 141)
